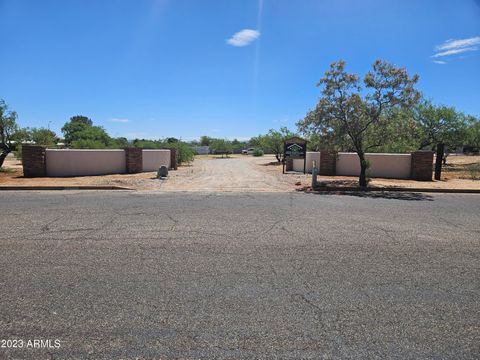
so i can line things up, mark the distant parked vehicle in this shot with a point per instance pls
(248, 151)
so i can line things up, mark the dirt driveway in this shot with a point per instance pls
(236, 173)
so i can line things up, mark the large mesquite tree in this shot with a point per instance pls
(352, 111)
(8, 129)
(440, 125)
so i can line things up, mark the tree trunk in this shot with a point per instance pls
(444, 160)
(3, 155)
(439, 161)
(362, 181)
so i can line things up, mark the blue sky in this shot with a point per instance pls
(185, 68)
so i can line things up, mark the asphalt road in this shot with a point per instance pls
(125, 275)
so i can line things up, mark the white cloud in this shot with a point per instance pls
(454, 51)
(119, 120)
(243, 37)
(439, 62)
(460, 43)
(457, 46)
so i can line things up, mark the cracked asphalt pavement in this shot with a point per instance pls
(144, 275)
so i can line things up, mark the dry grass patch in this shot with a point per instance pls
(462, 167)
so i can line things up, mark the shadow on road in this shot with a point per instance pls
(408, 196)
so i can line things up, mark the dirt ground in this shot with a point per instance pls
(240, 173)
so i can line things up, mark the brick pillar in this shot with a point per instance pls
(422, 165)
(34, 160)
(289, 164)
(173, 159)
(328, 162)
(134, 160)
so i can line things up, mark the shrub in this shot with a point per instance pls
(257, 152)
(6, 170)
(87, 144)
(185, 153)
(474, 170)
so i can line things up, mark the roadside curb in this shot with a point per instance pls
(394, 189)
(63, 188)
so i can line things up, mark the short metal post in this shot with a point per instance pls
(314, 174)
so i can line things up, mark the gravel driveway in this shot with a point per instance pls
(235, 174)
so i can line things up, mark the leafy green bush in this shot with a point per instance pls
(147, 144)
(6, 170)
(185, 153)
(474, 171)
(88, 144)
(257, 152)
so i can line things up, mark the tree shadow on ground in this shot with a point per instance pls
(349, 183)
(389, 195)
(272, 163)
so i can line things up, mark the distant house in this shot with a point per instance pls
(202, 150)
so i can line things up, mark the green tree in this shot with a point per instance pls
(255, 141)
(349, 111)
(205, 140)
(119, 143)
(440, 125)
(473, 134)
(171, 140)
(221, 146)
(80, 133)
(10, 134)
(237, 146)
(185, 153)
(147, 144)
(273, 142)
(42, 136)
(401, 132)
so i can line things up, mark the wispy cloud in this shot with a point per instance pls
(454, 51)
(460, 43)
(119, 120)
(456, 46)
(243, 37)
(441, 62)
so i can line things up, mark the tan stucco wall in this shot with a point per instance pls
(84, 162)
(395, 166)
(311, 156)
(153, 159)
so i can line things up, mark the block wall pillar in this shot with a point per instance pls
(134, 160)
(34, 160)
(422, 165)
(328, 162)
